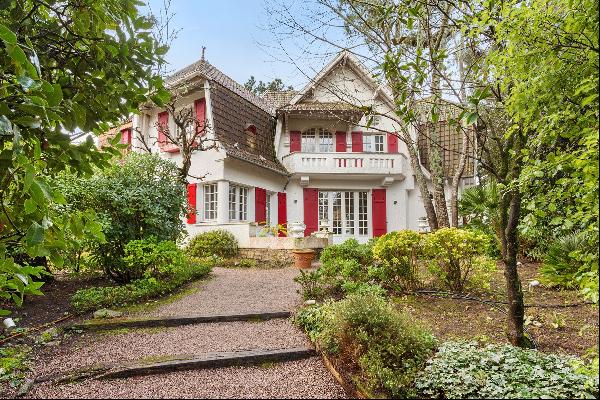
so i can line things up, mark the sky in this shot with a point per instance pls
(235, 37)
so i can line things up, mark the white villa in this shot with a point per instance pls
(294, 156)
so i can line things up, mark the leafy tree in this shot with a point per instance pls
(139, 198)
(66, 66)
(260, 87)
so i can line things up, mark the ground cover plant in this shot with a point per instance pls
(465, 370)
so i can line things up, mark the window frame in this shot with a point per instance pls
(317, 140)
(210, 201)
(371, 144)
(238, 203)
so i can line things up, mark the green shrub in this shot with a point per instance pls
(396, 255)
(139, 198)
(456, 256)
(464, 370)
(218, 242)
(141, 290)
(387, 346)
(150, 258)
(348, 250)
(341, 263)
(563, 263)
(312, 319)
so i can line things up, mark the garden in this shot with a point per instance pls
(424, 315)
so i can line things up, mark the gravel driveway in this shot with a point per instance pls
(229, 291)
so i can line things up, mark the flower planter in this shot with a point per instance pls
(303, 258)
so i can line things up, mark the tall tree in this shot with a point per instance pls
(66, 66)
(260, 87)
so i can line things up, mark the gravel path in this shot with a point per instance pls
(229, 290)
(239, 290)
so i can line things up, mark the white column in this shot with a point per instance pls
(222, 202)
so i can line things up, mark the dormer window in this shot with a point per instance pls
(250, 131)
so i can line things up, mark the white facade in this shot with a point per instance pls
(342, 179)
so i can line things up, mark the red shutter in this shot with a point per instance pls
(126, 136)
(282, 211)
(379, 213)
(191, 195)
(260, 205)
(357, 142)
(200, 109)
(392, 143)
(163, 124)
(340, 141)
(311, 212)
(295, 141)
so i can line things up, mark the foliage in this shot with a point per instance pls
(149, 258)
(463, 370)
(219, 242)
(456, 256)
(312, 319)
(16, 281)
(396, 254)
(63, 65)
(136, 199)
(387, 346)
(340, 264)
(14, 364)
(260, 87)
(141, 290)
(550, 63)
(563, 264)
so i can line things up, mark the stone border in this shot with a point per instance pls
(120, 323)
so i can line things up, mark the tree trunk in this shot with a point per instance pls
(510, 211)
(421, 183)
(456, 178)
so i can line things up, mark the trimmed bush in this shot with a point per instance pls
(219, 242)
(141, 290)
(457, 255)
(387, 346)
(397, 255)
(466, 371)
(147, 258)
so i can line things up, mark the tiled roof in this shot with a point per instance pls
(279, 98)
(211, 72)
(253, 158)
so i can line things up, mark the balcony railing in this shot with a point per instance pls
(349, 163)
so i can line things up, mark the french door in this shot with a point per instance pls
(345, 212)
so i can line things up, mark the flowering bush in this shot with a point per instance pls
(396, 255)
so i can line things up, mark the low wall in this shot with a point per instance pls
(288, 243)
(242, 231)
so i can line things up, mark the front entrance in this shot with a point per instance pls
(347, 213)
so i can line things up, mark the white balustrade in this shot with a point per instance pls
(356, 163)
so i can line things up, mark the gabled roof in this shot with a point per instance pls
(349, 60)
(210, 72)
(279, 98)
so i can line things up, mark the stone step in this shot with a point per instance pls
(155, 322)
(181, 363)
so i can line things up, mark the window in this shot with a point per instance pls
(323, 206)
(238, 203)
(349, 212)
(337, 213)
(363, 220)
(210, 202)
(373, 143)
(317, 140)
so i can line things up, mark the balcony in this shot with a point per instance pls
(345, 163)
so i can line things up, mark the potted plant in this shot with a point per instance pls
(303, 258)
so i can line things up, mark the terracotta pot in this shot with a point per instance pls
(303, 258)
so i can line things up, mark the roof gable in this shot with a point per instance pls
(330, 79)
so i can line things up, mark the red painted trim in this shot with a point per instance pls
(191, 195)
(295, 141)
(340, 141)
(260, 205)
(379, 212)
(282, 211)
(126, 136)
(311, 210)
(163, 124)
(392, 143)
(200, 109)
(357, 142)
